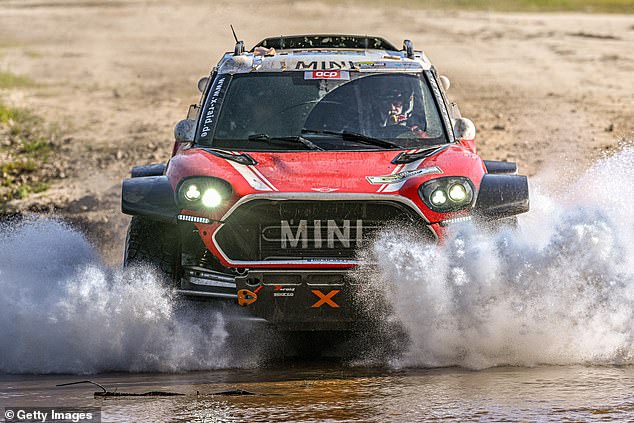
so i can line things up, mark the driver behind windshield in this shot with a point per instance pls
(398, 115)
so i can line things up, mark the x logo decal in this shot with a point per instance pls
(325, 298)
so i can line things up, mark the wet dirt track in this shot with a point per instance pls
(330, 392)
(120, 74)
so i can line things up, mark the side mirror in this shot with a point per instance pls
(445, 82)
(184, 130)
(464, 129)
(202, 83)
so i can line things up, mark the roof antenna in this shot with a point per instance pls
(234, 33)
(239, 48)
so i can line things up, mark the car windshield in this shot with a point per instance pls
(324, 110)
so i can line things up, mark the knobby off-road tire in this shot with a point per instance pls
(153, 243)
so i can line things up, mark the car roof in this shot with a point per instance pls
(323, 52)
(286, 42)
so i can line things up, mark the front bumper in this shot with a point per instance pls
(291, 300)
(300, 300)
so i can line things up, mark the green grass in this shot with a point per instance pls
(18, 166)
(588, 6)
(24, 190)
(37, 147)
(13, 114)
(32, 54)
(10, 80)
(25, 145)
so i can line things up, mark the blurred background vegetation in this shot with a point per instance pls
(586, 6)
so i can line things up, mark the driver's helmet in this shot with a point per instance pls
(399, 108)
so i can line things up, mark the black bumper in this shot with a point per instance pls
(300, 300)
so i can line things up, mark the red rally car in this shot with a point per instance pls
(298, 152)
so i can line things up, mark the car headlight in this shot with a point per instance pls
(211, 198)
(438, 197)
(447, 194)
(203, 192)
(192, 192)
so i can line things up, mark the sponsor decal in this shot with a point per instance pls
(441, 103)
(401, 176)
(297, 236)
(387, 66)
(212, 107)
(324, 65)
(325, 298)
(368, 65)
(283, 291)
(246, 297)
(327, 74)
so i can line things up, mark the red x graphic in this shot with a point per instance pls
(325, 298)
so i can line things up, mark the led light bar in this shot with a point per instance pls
(455, 220)
(195, 219)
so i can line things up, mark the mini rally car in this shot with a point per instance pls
(299, 151)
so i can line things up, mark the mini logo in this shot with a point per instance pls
(297, 236)
(325, 189)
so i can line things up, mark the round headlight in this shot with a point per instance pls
(438, 197)
(192, 193)
(458, 193)
(211, 198)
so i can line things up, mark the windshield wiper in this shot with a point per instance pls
(354, 136)
(404, 157)
(293, 139)
(243, 158)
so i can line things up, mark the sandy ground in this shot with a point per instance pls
(550, 91)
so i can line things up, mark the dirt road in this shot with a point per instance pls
(550, 91)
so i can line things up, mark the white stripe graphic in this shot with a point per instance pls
(409, 166)
(397, 169)
(248, 174)
(263, 178)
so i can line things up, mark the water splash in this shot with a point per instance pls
(558, 291)
(63, 311)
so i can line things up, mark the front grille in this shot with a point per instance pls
(279, 230)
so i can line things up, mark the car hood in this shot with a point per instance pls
(314, 171)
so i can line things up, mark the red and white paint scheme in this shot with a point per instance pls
(300, 152)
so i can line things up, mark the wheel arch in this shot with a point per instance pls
(149, 196)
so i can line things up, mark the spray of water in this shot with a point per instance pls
(63, 311)
(558, 291)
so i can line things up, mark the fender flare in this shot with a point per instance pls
(497, 167)
(156, 169)
(149, 196)
(502, 196)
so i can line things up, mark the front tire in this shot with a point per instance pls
(154, 243)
